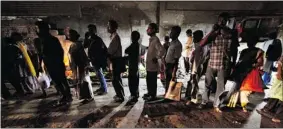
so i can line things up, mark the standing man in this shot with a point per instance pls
(155, 51)
(97, 53)
(162, 69)
(188, 50)
(220, 59)
(53, 55)
(115, 55)
(134, 57)
(197, 61)
(172, 56)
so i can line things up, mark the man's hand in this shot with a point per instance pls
(216, 27)
(155, 60)
(174, 78)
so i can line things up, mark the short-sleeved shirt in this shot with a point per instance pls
(174, 51)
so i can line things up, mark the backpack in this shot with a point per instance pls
(274, 50)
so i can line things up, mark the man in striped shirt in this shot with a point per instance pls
(220, 59)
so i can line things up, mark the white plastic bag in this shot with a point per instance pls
(44, 80)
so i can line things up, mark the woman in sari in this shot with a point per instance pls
(247, 77)
(275, 101)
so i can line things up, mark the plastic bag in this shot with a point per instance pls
(44, 80)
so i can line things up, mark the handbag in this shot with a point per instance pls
(84, 92)
(85, 88)
(43, 80)
(174, 91)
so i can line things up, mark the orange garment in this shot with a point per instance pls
(66, 44)
(253, 82)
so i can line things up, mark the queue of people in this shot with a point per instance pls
(214, 56)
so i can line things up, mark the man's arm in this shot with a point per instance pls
(279, 70)
(87, 41)
(234, 47)
(211, 36)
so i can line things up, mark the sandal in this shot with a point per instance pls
(245, 110)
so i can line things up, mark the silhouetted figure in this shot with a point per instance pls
(14, 67)
(97, 52)
(79, 64)
(53, 55)
(134, 59)
(155, 51)
(115, 55)
(197, 66)
(273, 50)
(162, 69)
(172, 56)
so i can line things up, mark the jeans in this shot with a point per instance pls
(209, 76)
(103, 84)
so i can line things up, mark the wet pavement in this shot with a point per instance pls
(32, 111)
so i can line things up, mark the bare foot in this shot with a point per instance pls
(245, 110)
(276, 120)
(218, 110)
(188, 103)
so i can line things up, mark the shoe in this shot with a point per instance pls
(133, 98)
(98, 90)
(115, 97)
(145, 96)
(101, 92)
(87, 101)
(66, 99)
(150, 98)
(119, 100)
(201, 106)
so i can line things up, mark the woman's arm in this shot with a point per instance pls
(260, 59)
(279, 70)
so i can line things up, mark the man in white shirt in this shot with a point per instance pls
(155, 52)
(172, 56)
